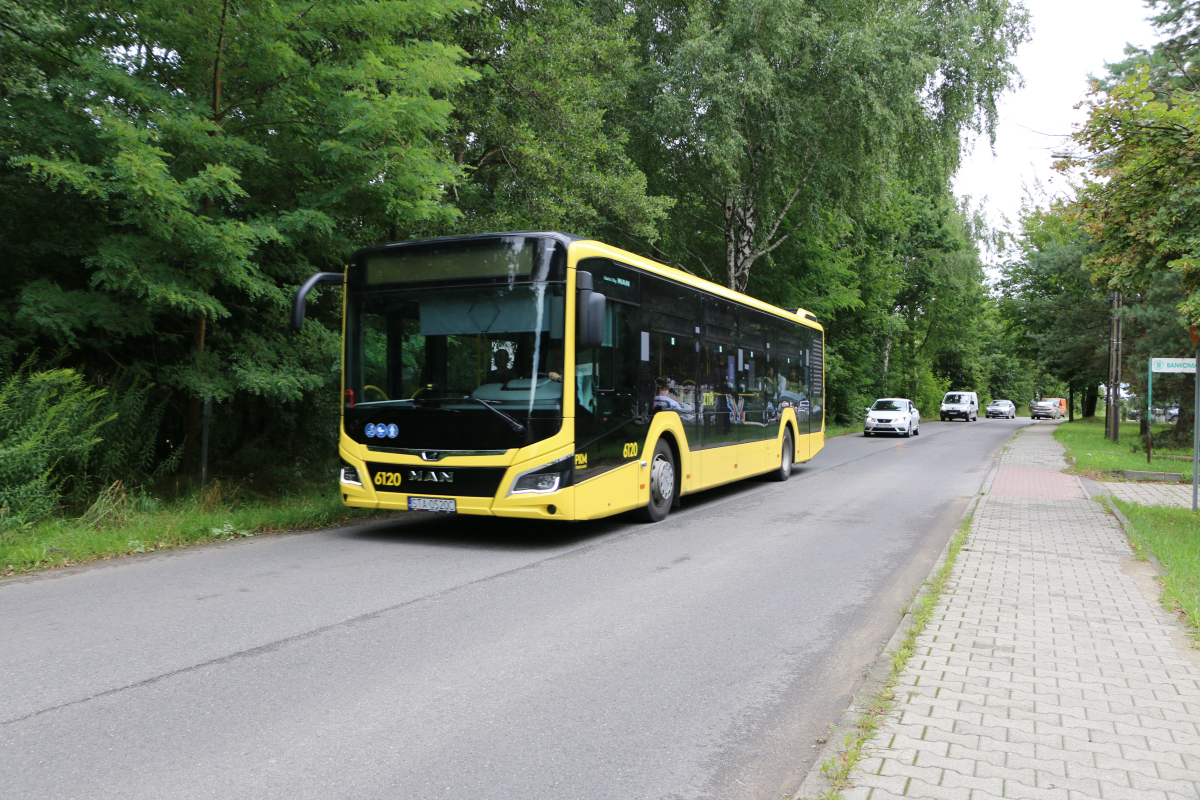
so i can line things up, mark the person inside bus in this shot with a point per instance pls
(662, 397)
(555, 365)
(503, 371)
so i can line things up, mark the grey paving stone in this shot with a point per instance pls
(1087, 786)
(858, 793)
(892, 784)
(1021, 791)
(963, 766)
(1007, 774)
(1109, 791)
(1117, 777)
(957, 780)
(919, 788)
(1045, 673)
(1187, 788)
(895, 768)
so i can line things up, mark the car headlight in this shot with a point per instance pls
(870, 419)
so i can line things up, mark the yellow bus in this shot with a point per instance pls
(545, 376)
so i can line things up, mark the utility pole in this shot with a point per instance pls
(1112, 421)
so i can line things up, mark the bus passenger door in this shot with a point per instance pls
(609, 430)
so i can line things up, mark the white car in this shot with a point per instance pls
(964, 405)
(893, 415)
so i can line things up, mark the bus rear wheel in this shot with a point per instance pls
(785, 462)
(662, 483)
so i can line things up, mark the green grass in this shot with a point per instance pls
(1085, 442)
(1173, 535)
(119, 526)
(842, 430)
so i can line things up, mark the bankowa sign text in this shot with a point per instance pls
(1172, 365)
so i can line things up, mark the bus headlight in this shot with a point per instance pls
(350, 475)
(546, 478)
(546, 482)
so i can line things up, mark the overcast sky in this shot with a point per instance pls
(1071, 38)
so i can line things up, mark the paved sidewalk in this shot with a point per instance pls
(1047, 671)
(1178, 495)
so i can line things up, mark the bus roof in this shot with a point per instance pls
(575, 243)
(591, 246)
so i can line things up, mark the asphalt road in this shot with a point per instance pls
(434, 656)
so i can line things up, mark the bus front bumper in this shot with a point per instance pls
(557, 505)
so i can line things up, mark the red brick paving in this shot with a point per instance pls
(1029, 482)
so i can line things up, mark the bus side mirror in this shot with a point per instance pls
(590, 311)
(301, 299)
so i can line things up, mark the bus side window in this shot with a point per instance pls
(669, 372)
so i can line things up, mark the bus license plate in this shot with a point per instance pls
(431, 504)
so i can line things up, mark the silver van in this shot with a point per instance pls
(960, 405)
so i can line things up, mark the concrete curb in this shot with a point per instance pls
(814, 782)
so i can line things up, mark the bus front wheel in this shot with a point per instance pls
(662, 483)
(785, 462)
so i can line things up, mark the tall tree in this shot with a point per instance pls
(1139, 198)
(168, 173)
(1061, 318)
(536, 133)
(777, 119)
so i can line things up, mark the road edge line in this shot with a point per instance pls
(816, 783)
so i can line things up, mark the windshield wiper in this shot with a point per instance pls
(517, 427)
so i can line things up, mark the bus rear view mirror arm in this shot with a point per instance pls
(301, 299)
(590, 310)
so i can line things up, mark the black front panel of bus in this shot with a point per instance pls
(729, 372)
(434, 480)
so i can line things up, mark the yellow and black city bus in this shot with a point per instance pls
(545, 376)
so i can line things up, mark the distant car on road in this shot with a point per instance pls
(1062, 404)
(893, 415)
(1173, 415)
(1045, 409)
(960, 404)
(1001, 409)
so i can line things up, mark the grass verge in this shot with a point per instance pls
(116, 526)
(1173, 536)
(838, 770)
(1093, 454)
(842, 430)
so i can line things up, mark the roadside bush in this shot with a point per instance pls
(129, 421)
(48, 421)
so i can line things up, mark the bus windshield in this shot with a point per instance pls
(430, 367)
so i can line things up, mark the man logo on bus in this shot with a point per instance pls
(430, 476)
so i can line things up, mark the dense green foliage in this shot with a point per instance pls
(808, 148)
(169, 174)
(1059, 319)
(63, 441)
(48, 425)
(166, 173)
(1129, 229)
